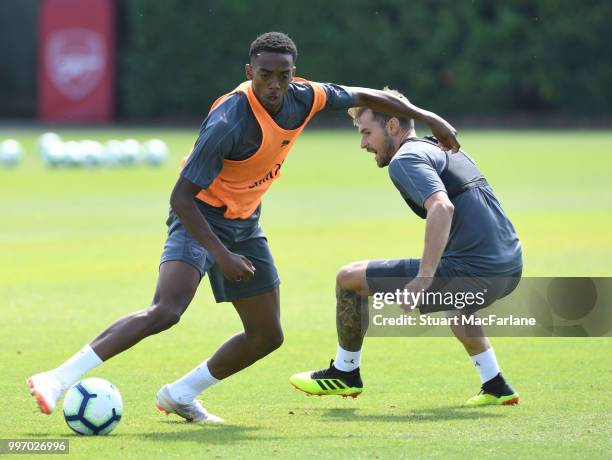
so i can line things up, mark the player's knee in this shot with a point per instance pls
(276, 340)
(164, 316)
(350, 277)
(264, 344)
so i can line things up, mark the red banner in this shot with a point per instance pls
(76, 60)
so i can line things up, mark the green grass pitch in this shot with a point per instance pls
(81, 247)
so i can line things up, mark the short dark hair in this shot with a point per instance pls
(276, 42)
(382, 118)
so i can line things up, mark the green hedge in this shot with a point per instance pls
(471, 57)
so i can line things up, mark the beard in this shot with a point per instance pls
(386, 154)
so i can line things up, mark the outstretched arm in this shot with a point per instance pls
(386, 102)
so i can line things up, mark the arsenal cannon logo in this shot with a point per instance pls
(75, 59)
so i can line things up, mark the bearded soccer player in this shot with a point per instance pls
(213, 226)
(470, 246)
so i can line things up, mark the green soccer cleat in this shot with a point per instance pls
(487, 399)
(329, 381)
(495, 392)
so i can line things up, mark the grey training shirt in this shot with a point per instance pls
(482, 240)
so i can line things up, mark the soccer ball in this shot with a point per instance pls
(113, 151)
(155, 152)
(10, 152)
(73, 156)
(51, 149)
(130, 154)
(93, 406)
(92, 152)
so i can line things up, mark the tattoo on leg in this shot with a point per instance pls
(351, 319)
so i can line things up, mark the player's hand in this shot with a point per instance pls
(417, 286)
(444, 132)
(235, 267)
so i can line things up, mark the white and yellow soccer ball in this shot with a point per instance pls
(93, 407)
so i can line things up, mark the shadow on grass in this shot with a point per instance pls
(218, 433)
(436, 414)
(50, 435)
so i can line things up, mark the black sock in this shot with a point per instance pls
(496, 386)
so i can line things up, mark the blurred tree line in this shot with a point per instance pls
(455, 56)
(483, 57)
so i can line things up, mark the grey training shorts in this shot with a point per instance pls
(244, 238)
(389, 275)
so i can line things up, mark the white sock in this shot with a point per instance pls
(81, 362)
(486, 364)
(347, 360)
(185, 389)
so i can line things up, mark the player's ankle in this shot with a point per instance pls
(351, 372)
(347, 361)
(496, 386)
